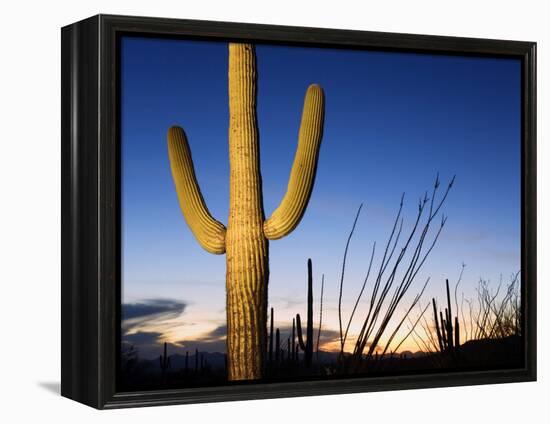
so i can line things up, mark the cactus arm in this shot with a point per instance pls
(209, 233)
(302, 176)
(439, 338)
(449, 302)
(443, 329)
(299, 330)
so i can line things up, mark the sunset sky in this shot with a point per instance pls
(392, 122)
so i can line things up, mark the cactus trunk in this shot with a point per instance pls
(309, 331)
(246, 245)
(307, 346)
(294, 339)
(245, 241)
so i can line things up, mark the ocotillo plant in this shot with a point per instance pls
(307, 346)
(245, 241)
(164, 362)
(448, 336)
(392, 281)
(498, 313)
(320, 316)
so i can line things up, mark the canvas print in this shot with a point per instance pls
(295, 213)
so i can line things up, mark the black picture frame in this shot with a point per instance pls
(90, 181)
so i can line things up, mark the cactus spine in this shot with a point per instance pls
(245, 241)
(307, 346)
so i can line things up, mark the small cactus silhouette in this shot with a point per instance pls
(196, 361)
(289, 353)
(270, 356)
(245, 241)
(277, 347)
(164, 362)
(307, 346)
(448, 336)
(294, 351)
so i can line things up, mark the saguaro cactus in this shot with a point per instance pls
(294, 351)
(448, 337)
(277, 347)
(164, 361)
(307, 346)
(270, 356)
(245, 241)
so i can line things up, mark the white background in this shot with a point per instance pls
(30, 213)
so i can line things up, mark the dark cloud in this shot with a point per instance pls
(220, 331)
(205, 346)
(149, 311)
(152, 308)
(213, 341)
(142, 338)
(147, 344)
(136, 315)
(327, 335)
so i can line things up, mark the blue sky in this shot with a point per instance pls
(392, 121)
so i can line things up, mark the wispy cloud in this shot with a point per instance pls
(143, 338)
(147, 343)
(215, 340)
(138, 314)
(212, 341)
(150, 322)
(328, 339)
(287, 302)
(152, 307)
